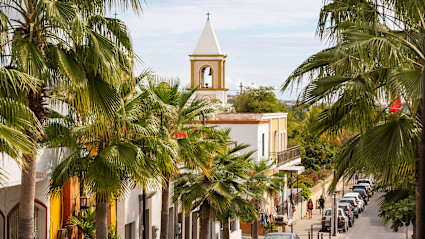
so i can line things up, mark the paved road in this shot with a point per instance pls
(370, 226)
(367, 226)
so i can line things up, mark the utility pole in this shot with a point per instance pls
(241, 86)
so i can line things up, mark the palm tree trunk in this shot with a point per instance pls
(205, 220)
(101, 218)
(254, 231)
(27, 196)
(165, 210)
(226, 229)
(28, 177)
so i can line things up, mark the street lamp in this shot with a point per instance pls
(84, 201)
(335, 215)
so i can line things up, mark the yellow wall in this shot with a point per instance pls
(55, 216)
(114, 213)
(279, 125)
(274, 126)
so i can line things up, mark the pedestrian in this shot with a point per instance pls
(321, 204)
(310, 208)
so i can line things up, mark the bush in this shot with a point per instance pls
(306, 192)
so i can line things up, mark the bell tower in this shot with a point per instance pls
(208, 67)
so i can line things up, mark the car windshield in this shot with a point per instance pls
(362, 192)
(278, 237)
(363, 181)
(328, 212)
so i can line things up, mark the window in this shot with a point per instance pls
(13, 224)
(206, 75)
(282, 145)
(262, 144)
(275, 142)
(128, 230)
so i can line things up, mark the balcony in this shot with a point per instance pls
(286, 156)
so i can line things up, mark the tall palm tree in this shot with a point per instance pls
(106, 156)
(377, 58)
(45, 37)
(183, 125)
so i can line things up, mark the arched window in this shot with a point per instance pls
(40, 221)
(13, 224)
(206, 75)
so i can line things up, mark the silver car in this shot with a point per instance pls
(281, 235)
(342, 220)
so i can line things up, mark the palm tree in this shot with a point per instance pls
(46, 38)
(16, 118)
(218, 193)
(262, 183)
(106, 156)
(192, 145)
(377, 59)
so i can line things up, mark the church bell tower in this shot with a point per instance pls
(208, 67)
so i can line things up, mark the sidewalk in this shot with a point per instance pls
(303, 226)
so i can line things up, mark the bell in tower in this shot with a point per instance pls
(208, 67)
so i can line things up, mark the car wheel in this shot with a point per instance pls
(344, 229)
(357, 215)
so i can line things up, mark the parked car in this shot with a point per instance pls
(347, 210)
(362, 193)
(365, 180)
(353, 203)
(281, 235)
(342, 220)
(368, 186)
(358, 198)
(364, 187)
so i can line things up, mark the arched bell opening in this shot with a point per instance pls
(206, 76)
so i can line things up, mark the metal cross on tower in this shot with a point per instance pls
(208, 15)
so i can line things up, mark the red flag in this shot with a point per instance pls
(396, 105)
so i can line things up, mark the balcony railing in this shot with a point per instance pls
(282, 207)
(287, 155)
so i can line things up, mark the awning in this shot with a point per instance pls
(293, 169)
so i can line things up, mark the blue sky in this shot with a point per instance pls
(265, 40)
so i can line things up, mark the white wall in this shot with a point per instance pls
(250, 134)
(128, 212)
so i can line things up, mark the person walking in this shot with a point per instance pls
(310, 208)
(321, 204)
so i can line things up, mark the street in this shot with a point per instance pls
(367, 226)
(370, 226)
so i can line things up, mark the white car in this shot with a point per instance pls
(365, 180)
(358, 198)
